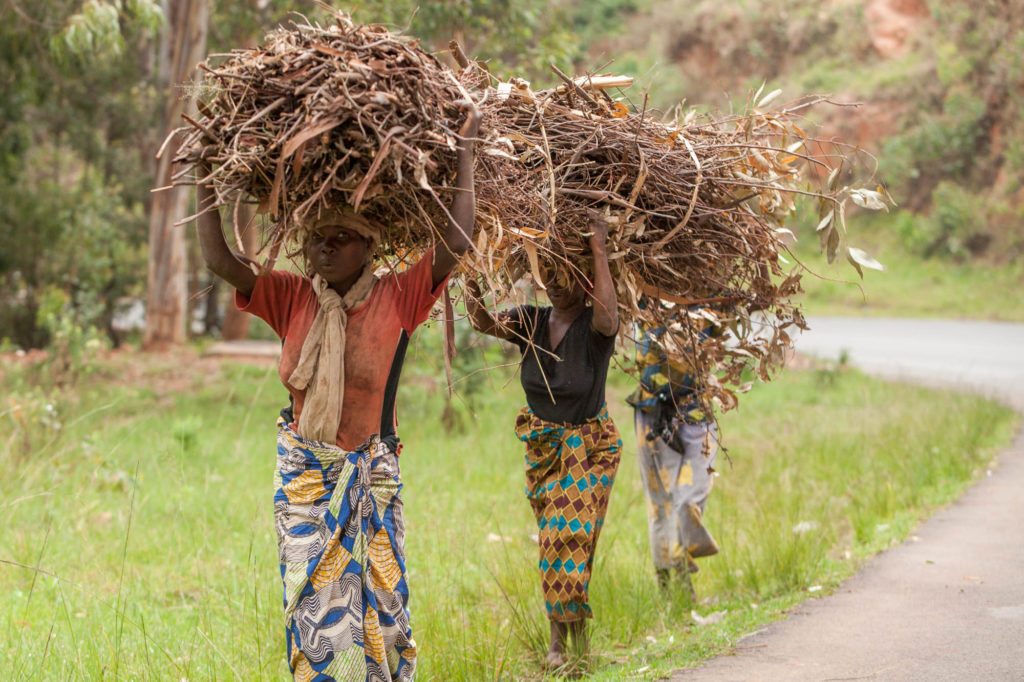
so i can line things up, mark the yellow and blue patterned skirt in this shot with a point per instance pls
(341, 540)
(570, 469)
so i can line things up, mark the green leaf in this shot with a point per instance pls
(148, 13)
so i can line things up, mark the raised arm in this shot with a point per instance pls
(459, 234)
(219, 258)
(606, 308)
(481, 318)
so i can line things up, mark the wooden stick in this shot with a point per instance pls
(199, 126)
(460, 57)
(575, 86)
(603, 82)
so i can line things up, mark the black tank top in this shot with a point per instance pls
(575, 379)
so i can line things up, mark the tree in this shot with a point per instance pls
(515, 37)
(183, 45)
(72, 184)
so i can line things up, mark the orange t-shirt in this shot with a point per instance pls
(397, 305)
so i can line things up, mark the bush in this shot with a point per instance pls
(73, 345)
(958, 222)
(31, 414)
(66, 235)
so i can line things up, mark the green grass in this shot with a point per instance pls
(143, 547)
(910, 285)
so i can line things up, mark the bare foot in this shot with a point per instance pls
(580, 640)
(674, 579)
(554, 659)
(556, 652)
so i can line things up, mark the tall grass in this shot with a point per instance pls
(138, 541)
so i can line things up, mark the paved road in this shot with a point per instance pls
(948, 605)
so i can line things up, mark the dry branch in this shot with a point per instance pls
(319, 116)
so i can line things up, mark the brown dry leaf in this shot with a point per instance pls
(531, 252)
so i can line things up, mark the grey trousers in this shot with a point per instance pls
(676, 478)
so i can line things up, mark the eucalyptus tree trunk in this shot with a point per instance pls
(182, 46)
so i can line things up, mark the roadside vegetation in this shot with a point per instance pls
(82, 121)
(138, 540)
(942, 112)
(915, 287)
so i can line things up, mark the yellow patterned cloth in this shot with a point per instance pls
(676, 472)
(341, 541)
(570, 469)
(669, 381)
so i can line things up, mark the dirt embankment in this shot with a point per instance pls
(937, 84)
(893, 23)
(718, 49)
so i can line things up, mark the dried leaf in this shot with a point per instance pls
(531, 254)
(832, 248)
(826, 220)
(859, 257)
(528, 232)
(866, 198)
(759, 91)
(500, 152)
(888, 197)
(769, 98)
(833, 178)
(420, 172)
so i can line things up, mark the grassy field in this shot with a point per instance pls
(138, 539)
(910, 286)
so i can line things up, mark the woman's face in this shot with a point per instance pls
(562, 288)
(337, 253)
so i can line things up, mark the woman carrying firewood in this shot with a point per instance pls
(677, 442)
(338, 508)
(572, 445)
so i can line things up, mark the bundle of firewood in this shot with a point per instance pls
(357, 115)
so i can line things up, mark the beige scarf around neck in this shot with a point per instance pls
(321, 367)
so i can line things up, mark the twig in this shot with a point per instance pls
(458, 54)
(575, 87)
(693, 198)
